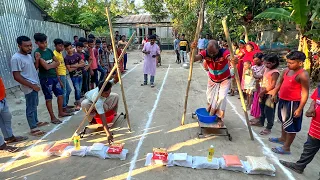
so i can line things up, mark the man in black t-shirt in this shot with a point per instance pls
(184, 48)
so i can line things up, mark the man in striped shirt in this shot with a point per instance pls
(216, 62)
(312, 146)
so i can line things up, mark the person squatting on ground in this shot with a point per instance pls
(293, 88)
(217, 62)
(312, 145)
(25, 73)
(47, 64)
(266, 103)
(151, 51)
(5, 123)
(75, 65)
(62, 75)
(107, 101)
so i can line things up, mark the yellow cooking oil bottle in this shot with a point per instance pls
(210, 153)
(76, 141)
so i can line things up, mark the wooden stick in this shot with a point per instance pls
(196, 36)
(236, 75)
(117, 62)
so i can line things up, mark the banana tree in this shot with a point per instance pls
(305, 14)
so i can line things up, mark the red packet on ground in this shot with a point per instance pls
(160, 154)
(115, 149)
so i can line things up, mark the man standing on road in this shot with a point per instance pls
(176, 48)
(216, 60)
(151, 51)
(184, 49)
(25, 73)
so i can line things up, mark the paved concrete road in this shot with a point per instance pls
(155, 116)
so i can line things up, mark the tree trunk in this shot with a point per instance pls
(246, 37)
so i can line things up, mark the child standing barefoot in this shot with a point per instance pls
(293, 89)
(267, 105)
(249, 82)
(258, 70)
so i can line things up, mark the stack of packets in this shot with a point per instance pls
(65, 149)
(253, 165)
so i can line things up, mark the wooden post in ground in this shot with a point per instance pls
(117, 65)
(196, 36)
(236, 75)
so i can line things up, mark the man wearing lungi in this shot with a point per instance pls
(216, 62)
(107, 101)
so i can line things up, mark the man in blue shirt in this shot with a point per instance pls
(206, 41)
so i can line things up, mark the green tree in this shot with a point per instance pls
(45, 4)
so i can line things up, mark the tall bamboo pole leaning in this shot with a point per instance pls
(236, 75)
(101, 90)
(117, 62)
(196, 36)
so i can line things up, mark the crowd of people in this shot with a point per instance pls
(265, 88)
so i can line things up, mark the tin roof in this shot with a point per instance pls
(142, 19)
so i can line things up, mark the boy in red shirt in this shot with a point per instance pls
(312, 146)
(293, 89)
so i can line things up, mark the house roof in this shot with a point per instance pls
(136, 19)
(44, 13)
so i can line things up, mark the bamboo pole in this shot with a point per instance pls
(236, 75)
(196, 36)
(101, 90)
(117, 65)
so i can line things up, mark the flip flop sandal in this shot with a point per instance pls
(37, 133)
(40, 124)
(67, 114)
(144, 84)
(279, 150)
(10, 149)
(70, 110)
(256, 124)
(152, 85)
(276, 140)
(265, 132)
(14, 139)
(56, 121)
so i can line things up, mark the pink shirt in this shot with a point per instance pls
(267, 78)
(94, 64)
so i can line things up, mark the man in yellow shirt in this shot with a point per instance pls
(62, 75)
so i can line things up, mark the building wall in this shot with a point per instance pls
(14, 22)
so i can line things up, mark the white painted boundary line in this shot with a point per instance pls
(266, 150)
(136, 152)
(13, 159)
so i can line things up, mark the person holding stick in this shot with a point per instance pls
(217, 62)
(107, 101)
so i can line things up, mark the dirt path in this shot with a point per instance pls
(155, 119)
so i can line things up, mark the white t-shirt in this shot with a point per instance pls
(93, 94)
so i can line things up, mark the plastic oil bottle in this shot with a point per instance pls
(210, 153)
(76, 141)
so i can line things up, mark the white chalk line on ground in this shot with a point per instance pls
(266, 150)
(13, 159)
(146, 129)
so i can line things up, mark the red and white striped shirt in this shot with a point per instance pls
(314, 129)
